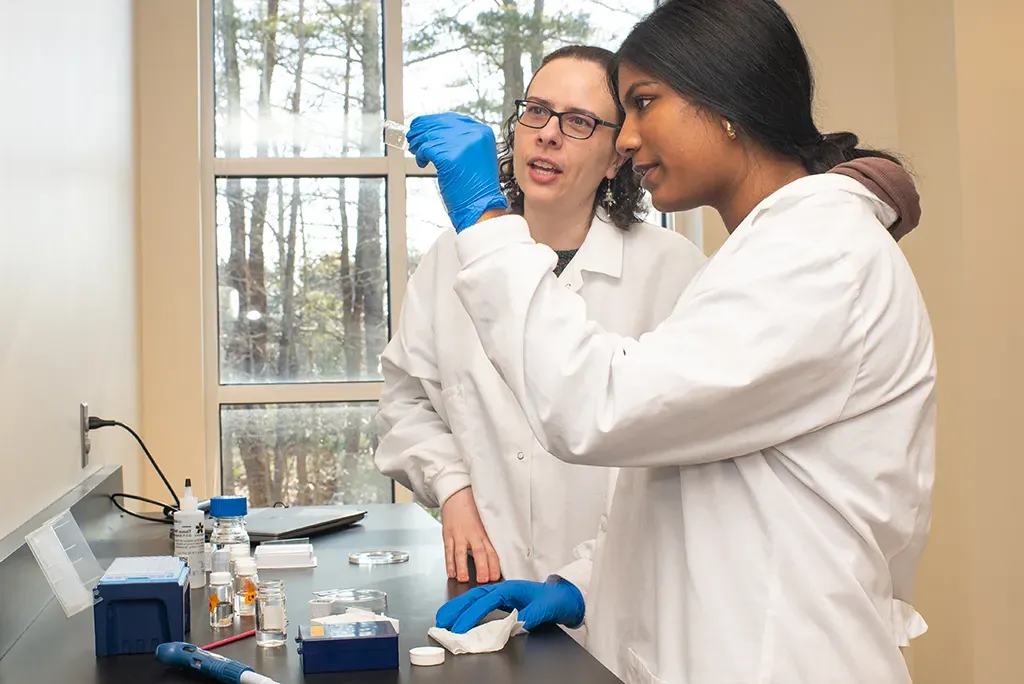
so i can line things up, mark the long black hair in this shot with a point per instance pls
(629, 196)
(741, 60)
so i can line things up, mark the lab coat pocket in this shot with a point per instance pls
(458, 422)
(637, 671)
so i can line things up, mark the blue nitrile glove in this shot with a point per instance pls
(538, 603)
(466, 157)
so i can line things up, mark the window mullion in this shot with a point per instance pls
(306, 393)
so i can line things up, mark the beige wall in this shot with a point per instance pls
(929, 127)
(170, 244)
(67, 246)
(990, 94)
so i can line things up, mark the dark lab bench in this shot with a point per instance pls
(59, 650)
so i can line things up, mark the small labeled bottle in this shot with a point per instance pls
(190, 537)
(271, 614)
(228, 518)
(222, 608)
(237, 552)
(220, 561)
(246, 579)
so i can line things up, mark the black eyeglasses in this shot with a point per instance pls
(573, 124)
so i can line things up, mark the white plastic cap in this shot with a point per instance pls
(220, 578)
(189, 503)
(426, 655)
(245, 566)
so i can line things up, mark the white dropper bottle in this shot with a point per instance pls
(190, 537)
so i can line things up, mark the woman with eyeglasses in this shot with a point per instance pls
(449, 427)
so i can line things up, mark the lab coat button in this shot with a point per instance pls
(520, 456)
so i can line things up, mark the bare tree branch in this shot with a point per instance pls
(440, 53)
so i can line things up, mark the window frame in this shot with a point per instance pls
(395, 167)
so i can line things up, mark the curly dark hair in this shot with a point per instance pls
(629, 200)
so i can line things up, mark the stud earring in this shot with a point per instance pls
(609, 196)
(729, 130)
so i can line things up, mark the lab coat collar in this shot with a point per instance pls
(601, 252)
(810, 185)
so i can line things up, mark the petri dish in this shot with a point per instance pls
(373, 600)
(378, 557)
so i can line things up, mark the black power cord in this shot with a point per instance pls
(167, 510)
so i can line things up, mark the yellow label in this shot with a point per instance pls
(316, 630)
(249, 592)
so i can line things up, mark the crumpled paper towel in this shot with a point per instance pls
(485, 638)
(354, 615)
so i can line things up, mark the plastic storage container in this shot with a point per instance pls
(144, 601)
(348, 646)
(67, 562)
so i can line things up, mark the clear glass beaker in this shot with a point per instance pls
(271, 614)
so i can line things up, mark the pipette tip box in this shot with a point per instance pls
(348, 647)
(141, 602)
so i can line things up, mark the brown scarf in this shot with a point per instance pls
(892, 184)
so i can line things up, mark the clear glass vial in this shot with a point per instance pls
(222, 608)
(246, 580)
(271, 614)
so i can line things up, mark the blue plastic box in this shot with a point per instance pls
(348, 647)
(142, 602)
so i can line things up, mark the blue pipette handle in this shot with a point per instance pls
(188, 656)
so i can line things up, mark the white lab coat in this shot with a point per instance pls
(447, 420)
(782, 427)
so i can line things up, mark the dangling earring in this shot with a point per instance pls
(609, 196)
(729, 130)
(516, 191)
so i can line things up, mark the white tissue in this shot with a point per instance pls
(486, 638)
(354, 615)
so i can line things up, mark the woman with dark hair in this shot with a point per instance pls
(775, 436)
(449, 427)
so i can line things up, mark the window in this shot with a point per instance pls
(315, 225)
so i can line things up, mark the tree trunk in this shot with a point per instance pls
(254, 446)
(285, 343)
(511, 64)
(236, 266)
(280, 220)
(257, 270)
(250, 448)
(537, 38)
(369, 280)
(351, 312)
(286, 360)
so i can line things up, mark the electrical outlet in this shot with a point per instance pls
(83, 427)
